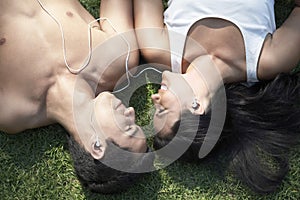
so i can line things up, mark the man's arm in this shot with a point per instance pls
(151, 34)
(282, 52)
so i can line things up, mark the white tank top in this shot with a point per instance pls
(254, 18)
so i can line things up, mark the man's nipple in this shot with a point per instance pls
(70, 14)
(2, 41)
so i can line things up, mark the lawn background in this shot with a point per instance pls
(36, 163)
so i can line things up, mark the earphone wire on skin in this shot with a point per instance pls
(77, 71)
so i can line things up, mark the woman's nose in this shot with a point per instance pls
(165, 74)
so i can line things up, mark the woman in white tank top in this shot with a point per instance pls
(207, 44)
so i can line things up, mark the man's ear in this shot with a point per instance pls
(98, 150)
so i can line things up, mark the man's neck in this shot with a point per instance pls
(66, 97)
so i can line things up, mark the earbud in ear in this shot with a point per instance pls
(195, 104)
(98, 149)
(97, 144)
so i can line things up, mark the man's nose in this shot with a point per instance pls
(155, 98)
(129, 112)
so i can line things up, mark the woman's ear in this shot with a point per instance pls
(98, 150)
(199, 111)
(197, 108)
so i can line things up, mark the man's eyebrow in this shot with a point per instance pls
(137, 128)
(161, 114)
(116, 144)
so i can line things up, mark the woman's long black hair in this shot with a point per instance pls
(262, 125)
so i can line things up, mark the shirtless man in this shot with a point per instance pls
(38, 89)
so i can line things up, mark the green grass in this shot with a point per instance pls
(36, 164)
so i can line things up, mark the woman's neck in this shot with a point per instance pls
(204, 79)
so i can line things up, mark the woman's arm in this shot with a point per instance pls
(151, 34)
(119, 12)
(118, 26)
(148, 13)
(281, 53)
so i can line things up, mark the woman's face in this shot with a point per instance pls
(116, 122)
(170, 101)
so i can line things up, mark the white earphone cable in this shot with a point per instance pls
(77, 71)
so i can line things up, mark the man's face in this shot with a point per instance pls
(116, 122)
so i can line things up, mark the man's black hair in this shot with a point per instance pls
(100, 178)
(262, 125)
